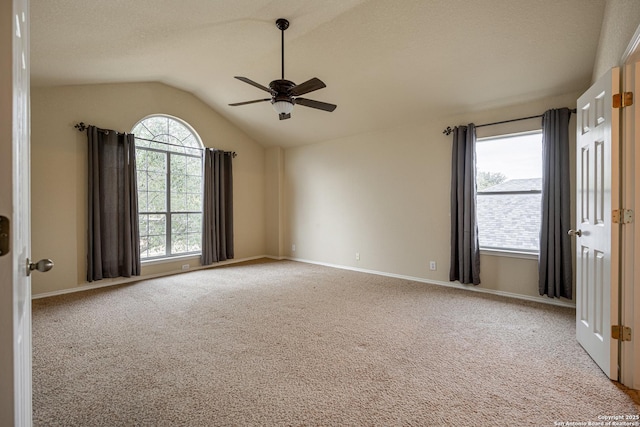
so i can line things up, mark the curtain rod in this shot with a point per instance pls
(448, 130)
(82, 127)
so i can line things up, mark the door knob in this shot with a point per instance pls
(574, 233)
(43, 265)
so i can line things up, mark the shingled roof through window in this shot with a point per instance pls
(510, 221)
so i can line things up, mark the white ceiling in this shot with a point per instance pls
(385, 62)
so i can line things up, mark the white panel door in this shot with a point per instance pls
(597, 188)
(15, 296)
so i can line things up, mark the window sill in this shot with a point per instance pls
(509, 254)
(170, 259)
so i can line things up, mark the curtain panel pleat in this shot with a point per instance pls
(113, 235)
(465, 246)
(217, 232)
(555, 275)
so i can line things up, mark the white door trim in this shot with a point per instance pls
(15, 284)
(6, 263)
(630, 234)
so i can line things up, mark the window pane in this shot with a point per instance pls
(195, 223)
(179, 243)
(512, 156)
(178, 202)
(152, 235)
(157, 181)
(157, 162)
(509, 168)
(156, 125)
(178, 183)
(141, 178)
(190, 141)
(157, 246)
(186, 232)
(178, 223)
(509, 221)
(193, 202)
(169, 183)
(157, 225)
(143, 224)
(157, 201)
(178, 165)
(142, 132)
(144, 247)
(194, 242)
(141, 160)
(143, 205)
(194, 166)
(178, 131)
(194, 184)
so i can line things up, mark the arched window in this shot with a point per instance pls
(169, 166)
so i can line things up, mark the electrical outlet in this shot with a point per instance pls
(185, 266)
(293, 248)
(432, 265)
(357, 256)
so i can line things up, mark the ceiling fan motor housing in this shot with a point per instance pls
(282, 89)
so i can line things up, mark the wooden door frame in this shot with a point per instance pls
(630, 234)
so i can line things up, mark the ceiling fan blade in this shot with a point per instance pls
(252, 83)
(308, 86)
(249, 102)
(284, 116)
(315, 104)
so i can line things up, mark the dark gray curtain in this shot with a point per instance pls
(465, 248)
(217, 235)
(555, 259)
(113, 238)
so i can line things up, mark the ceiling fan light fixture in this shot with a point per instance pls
(282, 107)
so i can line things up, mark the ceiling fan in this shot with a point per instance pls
(284, 93)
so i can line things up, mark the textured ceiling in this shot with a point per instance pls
(385, 62)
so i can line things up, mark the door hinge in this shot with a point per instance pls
(621, 100)
(622, 216)
(622, 333)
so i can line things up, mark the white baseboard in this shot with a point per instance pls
(457, 285)
(122, 281)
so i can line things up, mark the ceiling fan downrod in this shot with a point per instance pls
(282, 25)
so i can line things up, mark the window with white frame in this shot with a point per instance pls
(169, 174)
(509, 184)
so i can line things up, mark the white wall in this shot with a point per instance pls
(59, 171)
(386, 195)
(274, 219)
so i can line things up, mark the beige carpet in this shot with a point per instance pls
(286, 343)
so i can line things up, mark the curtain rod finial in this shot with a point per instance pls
(448, 130)
(81, 126)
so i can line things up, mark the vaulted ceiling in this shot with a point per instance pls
(385, 62)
